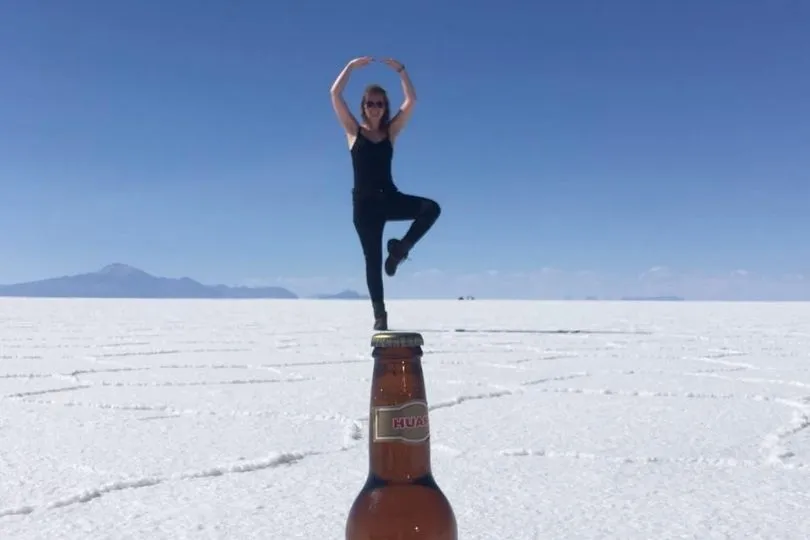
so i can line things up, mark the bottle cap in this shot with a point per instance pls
(389, 339)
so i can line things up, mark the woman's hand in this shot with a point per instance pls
(360, 62)
(394, 64)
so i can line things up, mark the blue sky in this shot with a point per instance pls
(577, 148)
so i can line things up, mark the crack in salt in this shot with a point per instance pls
(87, 495)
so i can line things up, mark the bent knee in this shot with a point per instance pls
(431, 208)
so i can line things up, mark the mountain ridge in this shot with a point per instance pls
(118, 280)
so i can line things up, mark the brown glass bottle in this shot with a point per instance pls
(400, 499)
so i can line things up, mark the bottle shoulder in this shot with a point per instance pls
(393, 510)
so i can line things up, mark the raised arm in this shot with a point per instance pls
(347, 120)
(399, 121)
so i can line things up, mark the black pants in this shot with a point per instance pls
(370, 215)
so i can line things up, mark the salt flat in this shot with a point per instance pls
(550, 420)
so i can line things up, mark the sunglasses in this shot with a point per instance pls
(373, 104)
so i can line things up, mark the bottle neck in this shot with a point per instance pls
(399, 430)
(399, 462)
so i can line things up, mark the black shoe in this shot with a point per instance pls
(381, 322)
(380, 316)
(397, 252)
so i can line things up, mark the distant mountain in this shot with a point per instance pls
(123, 281)
(347, 294)
(653, 298)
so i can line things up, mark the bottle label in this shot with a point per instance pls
(401, 423)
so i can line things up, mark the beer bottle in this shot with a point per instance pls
(400, 499)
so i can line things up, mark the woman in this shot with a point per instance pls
(375, 198)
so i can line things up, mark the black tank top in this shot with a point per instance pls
(372, 166)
